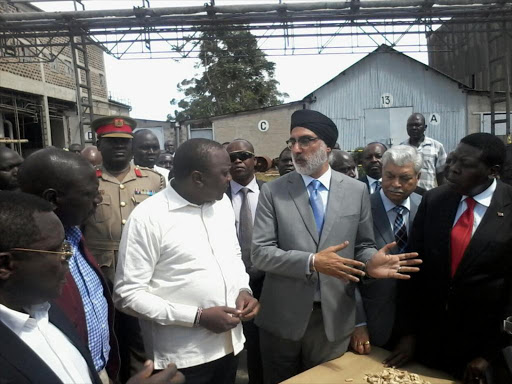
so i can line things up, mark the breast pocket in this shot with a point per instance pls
(103, 210)
(137, 199)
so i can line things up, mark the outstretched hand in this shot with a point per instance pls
(330, 263)
(383, 265)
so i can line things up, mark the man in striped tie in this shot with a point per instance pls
(393, 209)
(451, 316)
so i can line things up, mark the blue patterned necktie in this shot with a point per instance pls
(316, 203)
(376, 185)
(399, 228)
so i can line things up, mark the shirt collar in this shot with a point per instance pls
(325, 179)
(176, 201)
(235, 187)
(484, 197)
(426, 141)
(73, 235)
(16, 321)
(372, 181)
(389, 205)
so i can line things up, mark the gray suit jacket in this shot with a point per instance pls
(379, 298)
(285, 235)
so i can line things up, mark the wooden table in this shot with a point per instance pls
(352, 366)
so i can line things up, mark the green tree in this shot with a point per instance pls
(236, 76)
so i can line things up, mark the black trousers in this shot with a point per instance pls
(131, 345)
(221, 371)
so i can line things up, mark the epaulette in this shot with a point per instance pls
(146, 169)
(99, 173)
(138, 173)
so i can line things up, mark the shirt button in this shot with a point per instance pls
(123, 204)
(123, 221)
(121, 186)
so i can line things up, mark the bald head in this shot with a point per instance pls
(92, 155)
(239, 143)
(51, 168)
(343, 162)
(66, 180)
(75, 148)
(9, 164)
(146, 148)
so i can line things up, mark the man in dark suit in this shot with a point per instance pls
(371, 159)
(243, 191)
(39, 343)
(393, 210)
(451, 316)
(308, 305)
(70, 184)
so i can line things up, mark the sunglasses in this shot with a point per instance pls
(65, 253)
(240, 155)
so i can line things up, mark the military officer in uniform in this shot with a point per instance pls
(122, 186)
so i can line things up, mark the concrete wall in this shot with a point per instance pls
(244, 125)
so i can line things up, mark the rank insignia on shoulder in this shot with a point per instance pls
(138, 173)
(146, 192)
(98, 173)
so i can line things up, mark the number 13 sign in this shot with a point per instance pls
(386, 100)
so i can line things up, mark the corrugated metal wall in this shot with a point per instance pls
(360, 87)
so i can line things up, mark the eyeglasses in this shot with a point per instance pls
(65, 253)
(240, 155)
(303, 141)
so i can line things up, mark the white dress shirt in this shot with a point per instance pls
(237, 197)
(174, 257)
(48, 342)
(483, 201)
(371, 183)
(389, 205)
(163, 171)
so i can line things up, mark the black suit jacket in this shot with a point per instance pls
(19, 364)
(256, 283)
(458, 319)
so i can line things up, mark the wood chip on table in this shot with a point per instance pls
(394, 376)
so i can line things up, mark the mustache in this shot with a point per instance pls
(395, 190)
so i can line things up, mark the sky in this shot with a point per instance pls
(149, 85)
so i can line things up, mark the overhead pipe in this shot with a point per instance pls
(227, 9)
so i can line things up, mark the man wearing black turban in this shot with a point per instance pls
(308, 306)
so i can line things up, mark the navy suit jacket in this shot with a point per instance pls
(19, 364)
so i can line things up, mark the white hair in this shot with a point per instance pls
(401, 155)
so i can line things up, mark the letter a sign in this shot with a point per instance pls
(434, 119)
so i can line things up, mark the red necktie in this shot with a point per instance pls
(461, 234)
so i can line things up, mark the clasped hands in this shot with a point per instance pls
(382, 265)
(222, 319)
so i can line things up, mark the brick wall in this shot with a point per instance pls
(60, 72)
(245, 126)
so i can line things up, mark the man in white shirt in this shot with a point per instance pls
(180, 269)
(146, 150)
(372, 164)
(39, 344)
(244, 191)
(433, 152)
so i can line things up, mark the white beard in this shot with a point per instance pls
(314, 161)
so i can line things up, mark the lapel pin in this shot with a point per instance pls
(500, 214)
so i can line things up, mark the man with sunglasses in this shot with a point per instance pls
(244, 191)
(313, 238)
(70, 184)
